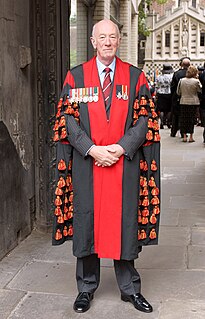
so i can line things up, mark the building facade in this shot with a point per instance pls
(177, 30)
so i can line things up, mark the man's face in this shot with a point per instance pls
(106, 41)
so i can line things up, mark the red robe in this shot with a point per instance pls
(108, 183)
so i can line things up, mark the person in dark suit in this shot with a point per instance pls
(202, 101)
(175, 113)
(108, 179)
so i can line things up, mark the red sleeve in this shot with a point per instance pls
(142, 87)
(69, 79)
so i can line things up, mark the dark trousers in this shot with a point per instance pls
(88, 275)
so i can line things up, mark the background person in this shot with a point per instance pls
(163, 95)
(202, 101)
(179, 74)
(188, 90)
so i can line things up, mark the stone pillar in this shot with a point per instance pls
(134, 39)
(163, 44)
(171, 40)
(82, 33)
(125, 12)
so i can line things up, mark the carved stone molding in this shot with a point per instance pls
(51, 38)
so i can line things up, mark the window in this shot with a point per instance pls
(193, 3)
(202, 39)
(142, 44)
(167, 39)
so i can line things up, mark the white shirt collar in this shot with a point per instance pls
(101, 67)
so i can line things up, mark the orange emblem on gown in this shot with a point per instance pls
(156, 137)
(136, 105)
(143, 111)
(143, 234)
(66, 201)
(145, 212)
(69, 110)
(65, 231)
(152, 182)
(61, 182)
(149, 135)
(154, 166)
(152, 234)
(150, 123)
(143, 101)
(65, 209)
(156, 210)
(70, 231)
(58, 191)
(60, 219)
(155, 191)
(156, 125)
(58, 211)
(145, 191)
(62, 121)
(63, 133)
(70, 215)
(61, 165)
(58, 201)
(56, 137)
(153, 219)
(144, 184)
(139, 216)
(155, 200)
(71, 197)
(58, 234)
(145, 201)
(55, 128)
(144, 220)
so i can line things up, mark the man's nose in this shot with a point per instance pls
(107, 41)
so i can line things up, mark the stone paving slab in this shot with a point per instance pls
(180, 309)
(196, 257)
(183, 189)
(48, 277)
(163, 257)
(169, 216)
(174, 236)
(9, 300)
(187, 202)
(161, 285)
(198, 236)
(46, 306)
(192, 217)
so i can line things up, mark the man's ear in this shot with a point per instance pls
(93, 42)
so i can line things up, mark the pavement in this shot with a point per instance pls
(37, 280)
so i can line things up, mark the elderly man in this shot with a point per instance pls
(107, 168)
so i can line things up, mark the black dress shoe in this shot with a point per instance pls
(82, 302)
(138, 301)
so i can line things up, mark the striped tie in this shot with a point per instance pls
(107, 85)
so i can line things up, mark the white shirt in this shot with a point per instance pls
(101, 67)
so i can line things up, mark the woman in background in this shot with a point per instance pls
(163, 95)
(188, 90)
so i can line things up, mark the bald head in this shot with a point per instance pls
(106, 40)
(185, 63)
(105, 23)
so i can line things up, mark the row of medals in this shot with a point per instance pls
(84, 95)
(91, 94)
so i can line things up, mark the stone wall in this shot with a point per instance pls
(16, 125)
